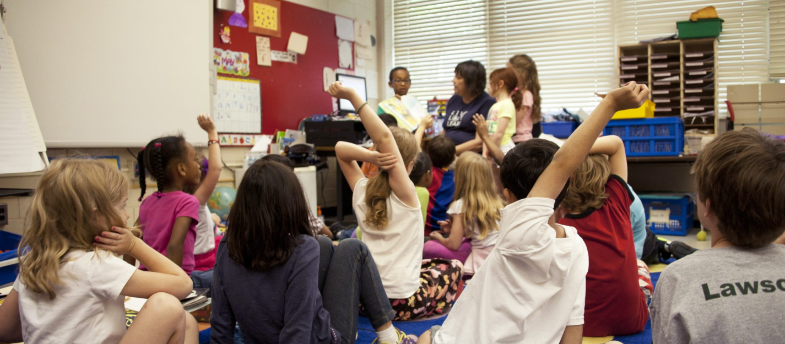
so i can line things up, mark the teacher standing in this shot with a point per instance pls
(469, 99)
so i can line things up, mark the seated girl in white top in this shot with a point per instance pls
(474, 214)
(389, 215)
(71, 286)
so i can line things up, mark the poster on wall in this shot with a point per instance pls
(265, 17)
(231, 62)
(345, 54)
(263, 57)
(237, 18)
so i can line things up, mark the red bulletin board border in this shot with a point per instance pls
(290, 92)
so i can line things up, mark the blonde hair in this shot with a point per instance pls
(378, 190)
(587, 186)
(70, 201)
(475, 187)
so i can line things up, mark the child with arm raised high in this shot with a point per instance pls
(206, 241)
(537, 272)
(389, 215)
(71, 286)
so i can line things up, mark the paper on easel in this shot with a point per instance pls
(24, 98)
(262, 143)
(328, 77)
(263, 56)
(344, 28)
(297, 43)
(362, 32)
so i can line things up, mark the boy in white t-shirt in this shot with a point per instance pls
(531, 288)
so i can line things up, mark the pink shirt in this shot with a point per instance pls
(157, 216)
(524, 127)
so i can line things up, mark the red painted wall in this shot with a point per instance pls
(290, 91)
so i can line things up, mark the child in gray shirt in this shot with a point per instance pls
(735, 291)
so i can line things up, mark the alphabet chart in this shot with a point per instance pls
(238, 106)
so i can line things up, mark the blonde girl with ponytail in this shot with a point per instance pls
(72, 279)
(389, 215)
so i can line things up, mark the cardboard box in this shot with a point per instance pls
(743, 94)
(772, 113)
(746, 113)
(774, 92)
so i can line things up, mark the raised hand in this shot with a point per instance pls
(481, 125)
(338, 90)
(205, 122)
(120, 241)
(427, 121)
(631, 96)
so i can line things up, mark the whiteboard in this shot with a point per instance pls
(114, 73)
(238, 106)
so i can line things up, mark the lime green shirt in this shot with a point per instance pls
(502, 109)
(423, 195)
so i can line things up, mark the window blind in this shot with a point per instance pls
(742, 49)
(572, 43)
(430, 37)
(777, 38)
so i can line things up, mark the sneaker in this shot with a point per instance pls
(402, 338)
(680, 250)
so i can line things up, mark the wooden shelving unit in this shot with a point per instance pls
(681, 75)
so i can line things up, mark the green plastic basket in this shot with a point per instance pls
(700, 28)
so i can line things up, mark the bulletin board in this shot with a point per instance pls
(289, 92)
(237, 107)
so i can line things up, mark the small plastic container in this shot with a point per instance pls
(560, 129)
(9, 262)
(668, 215)
(645, 111)
(700, 28)
(694, 143)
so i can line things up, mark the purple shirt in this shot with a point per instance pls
(157, 216)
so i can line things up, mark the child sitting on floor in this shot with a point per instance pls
(388, 212)
(598, 205)
(441, 150)
(422, 177)
(531, 288)
(733, 292)
(474, 214)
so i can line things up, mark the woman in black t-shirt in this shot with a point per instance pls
(470, 98)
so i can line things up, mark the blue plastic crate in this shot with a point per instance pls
(560, 129)
(9, 242)
(663, 136)
(681, 215)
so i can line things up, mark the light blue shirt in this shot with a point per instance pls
(638, 220)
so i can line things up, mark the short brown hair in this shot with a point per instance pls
(587, 186)
(441, 150)
(743, 174)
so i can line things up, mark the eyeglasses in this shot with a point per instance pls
(404, 81)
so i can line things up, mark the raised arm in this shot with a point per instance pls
(425, 123)
(348, 154)
(575, 149)
(482, 130)
(400, 183)
(613, 147)
(214, 161)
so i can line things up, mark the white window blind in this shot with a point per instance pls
(430, 37)
(742, 49)
(777, 38)
(572, 43)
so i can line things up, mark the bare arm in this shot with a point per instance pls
(214, 161)
(471, 145)
(493, 148)
(613, 147)
(163, 275)
(400, 183)
(425, 123)
(572, 335)
(501, 126)
(10, 321)
(174, 251)
(575, 149)
(453, 242)
(348, 154)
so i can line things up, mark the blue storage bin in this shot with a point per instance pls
(663, 136)
(560, 129)
(680, 209)
(9, 242)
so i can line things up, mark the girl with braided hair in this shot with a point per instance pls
(168, 217)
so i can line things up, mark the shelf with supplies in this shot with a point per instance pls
(681, 76)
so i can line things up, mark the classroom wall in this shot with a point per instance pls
(233, 156)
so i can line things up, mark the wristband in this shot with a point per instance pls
(209, 142)
(361, 107)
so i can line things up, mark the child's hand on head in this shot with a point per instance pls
(427, 121)
(385, 161)
(481, 124)
(338, 90)
(631, 96)
(119, 241)
(205, 122)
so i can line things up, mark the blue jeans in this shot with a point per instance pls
(202, 279)
(348, 276)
